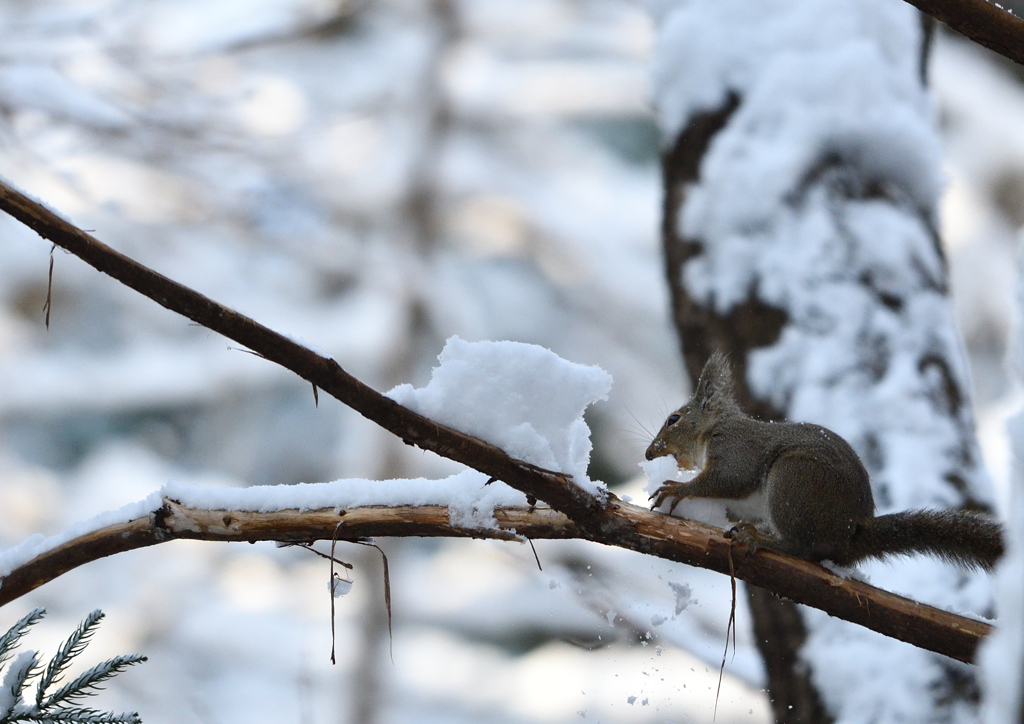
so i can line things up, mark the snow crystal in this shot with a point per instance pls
(683, 596)
(521, 397)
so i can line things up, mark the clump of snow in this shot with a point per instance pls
(521, 397)
(793, 63)
(10, 694)
(665, 469)
(683, 593)
(340, 586)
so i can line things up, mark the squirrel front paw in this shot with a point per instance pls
(746, 534)
(669, 491)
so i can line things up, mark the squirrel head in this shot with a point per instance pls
(686, 432)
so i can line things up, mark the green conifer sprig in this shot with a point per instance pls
(71, 648)
(9, 641)
(60, 706)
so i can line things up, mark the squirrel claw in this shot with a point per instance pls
(746, 535)
(669, 491)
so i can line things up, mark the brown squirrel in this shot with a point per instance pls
(799, 488)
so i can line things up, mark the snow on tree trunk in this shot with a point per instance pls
(1002, 655)
(802, 172)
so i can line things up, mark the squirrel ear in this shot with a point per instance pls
(715, 383)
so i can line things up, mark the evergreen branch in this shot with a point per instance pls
(80, 715)
(71, 648)
(9, 641)
(88, 682)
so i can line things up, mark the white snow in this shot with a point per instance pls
(470, 500)
(10, 696)
(1001, 656)
(521, 397)
(39, 544)
(683, 595)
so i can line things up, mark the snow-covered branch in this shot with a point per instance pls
(665, 536)
(985, 23)
(322, 372)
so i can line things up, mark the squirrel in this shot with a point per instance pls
(799, 488)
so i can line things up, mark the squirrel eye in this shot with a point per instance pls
(672, 419)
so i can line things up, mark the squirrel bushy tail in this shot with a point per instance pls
(965, 539)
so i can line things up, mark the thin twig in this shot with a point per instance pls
(535, 556)
(334, 542)
(729, 627)
(47, 305)
(387, 595)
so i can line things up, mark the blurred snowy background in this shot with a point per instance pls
(372, 177)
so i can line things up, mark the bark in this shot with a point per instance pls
(981, 21)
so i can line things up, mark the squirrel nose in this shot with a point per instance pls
(649, 455)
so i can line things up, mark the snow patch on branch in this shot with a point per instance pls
(40, 544)
(470, 501)
(521, 397)
(467, 495)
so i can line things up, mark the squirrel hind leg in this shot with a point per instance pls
(815, 509)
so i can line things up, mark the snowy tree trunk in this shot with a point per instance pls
(1002, 655)
(801, 172)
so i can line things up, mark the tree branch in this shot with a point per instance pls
(665, 536)
(414, 429)
(576, 513)
(980, 21)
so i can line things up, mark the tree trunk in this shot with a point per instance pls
(800, 239)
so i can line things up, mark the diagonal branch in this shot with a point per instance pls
(981, 21)
(576, 513)
(323, 372)
(660, 535)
